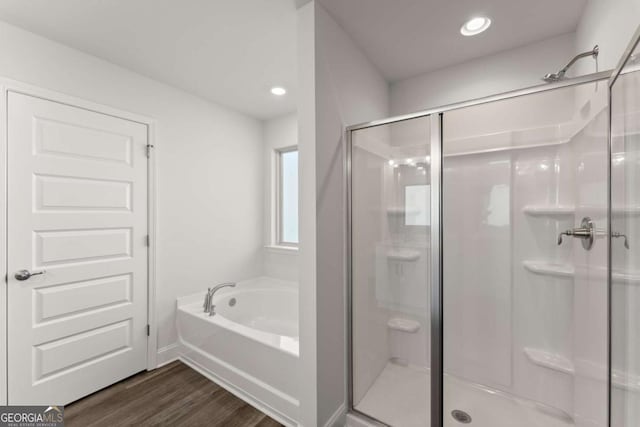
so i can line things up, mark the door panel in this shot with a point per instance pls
(55, 193)
(390, 271)
(77, 210)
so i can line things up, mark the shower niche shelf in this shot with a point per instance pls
(549, 269)
(552, 211)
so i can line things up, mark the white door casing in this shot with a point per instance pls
(77, 208)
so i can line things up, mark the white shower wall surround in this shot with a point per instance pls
(533, 332)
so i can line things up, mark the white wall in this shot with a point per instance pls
(510, 70)
(609, 24)
(3, 269)
(208, 231)
(338, 87)
(348, 89)
(281, 132)
(308, 394)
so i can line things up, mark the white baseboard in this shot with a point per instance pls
(168, 354)
(339, 417)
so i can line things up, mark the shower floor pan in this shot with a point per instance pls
(400, 397)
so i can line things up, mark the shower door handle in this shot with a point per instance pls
(586, 232)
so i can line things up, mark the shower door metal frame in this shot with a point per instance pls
(626, 56)
(436, 308)
(617, 72)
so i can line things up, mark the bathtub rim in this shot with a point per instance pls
(192, 305)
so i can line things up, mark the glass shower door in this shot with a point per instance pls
(525, 260)
(625, 246)
(390, 226)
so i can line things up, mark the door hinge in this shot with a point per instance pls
(148, 330)
(147, 240)
(149, 147)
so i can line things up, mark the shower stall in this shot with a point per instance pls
(494, 259)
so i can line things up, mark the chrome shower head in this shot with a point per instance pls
(554, 77)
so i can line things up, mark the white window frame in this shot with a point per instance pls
(278, 241)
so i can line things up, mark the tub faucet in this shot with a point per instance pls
(208, 306)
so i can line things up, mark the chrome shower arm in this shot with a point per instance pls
(593, 52)
(560, 74)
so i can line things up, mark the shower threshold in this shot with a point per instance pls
(400, 397)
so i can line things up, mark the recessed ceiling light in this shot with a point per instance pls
(475, 26)
(278, 91)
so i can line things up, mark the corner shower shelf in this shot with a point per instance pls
(403, 255)
(549, 269)
(569, 210)
(556, 362)
(549, 360)
(399, 210)
(403, 325)
(566, 270)
(553, 211)
(625, 381)
(630, 278)
(626, 211)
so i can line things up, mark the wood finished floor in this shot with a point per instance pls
(174, 395)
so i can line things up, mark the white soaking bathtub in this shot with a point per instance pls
(250, 347)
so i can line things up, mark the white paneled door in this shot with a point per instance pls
(77, 250)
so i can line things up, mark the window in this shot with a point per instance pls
(287, 197)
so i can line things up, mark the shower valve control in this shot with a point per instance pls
(586, 232)
(617, 234)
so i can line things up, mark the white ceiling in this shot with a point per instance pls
(404, 38)
(232, 51)
(227, 51)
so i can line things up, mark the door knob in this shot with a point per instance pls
(586, 232)
(26, 274)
